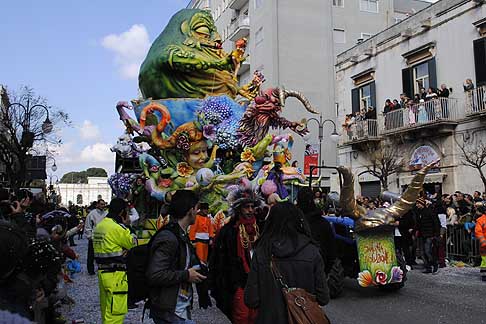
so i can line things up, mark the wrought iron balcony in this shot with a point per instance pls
(443, 112)
(360, 132)
(476, 102)
(239, 28)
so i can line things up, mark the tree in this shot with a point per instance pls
(82, 176)
(474, 156)
(384, 161)
(15, 122)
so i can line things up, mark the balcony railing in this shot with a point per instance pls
(237, 4)
(430, 112)
(239, 28)
(361, 131)
(476, 101)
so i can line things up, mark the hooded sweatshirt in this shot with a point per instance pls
(293, 260)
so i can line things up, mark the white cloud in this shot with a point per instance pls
(89, 131)
(97, 153)
(130, 48)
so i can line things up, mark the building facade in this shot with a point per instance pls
(294, 44)
(82, 194)
(444, 44)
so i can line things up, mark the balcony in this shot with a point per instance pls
(360, 133)
(239, 28)
(237, 4)
(245, 66)
(476, 102)
(438, 116)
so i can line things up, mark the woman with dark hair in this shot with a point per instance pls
(287, 241)
(321, 230)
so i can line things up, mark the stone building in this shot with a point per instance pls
(444, 43)
(82, 194)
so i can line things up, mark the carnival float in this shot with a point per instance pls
(195, 128)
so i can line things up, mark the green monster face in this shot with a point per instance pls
(187, 60)
(201, 31)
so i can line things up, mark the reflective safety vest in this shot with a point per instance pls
(480, 233)
(110, 240)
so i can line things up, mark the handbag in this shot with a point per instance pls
(302, 307)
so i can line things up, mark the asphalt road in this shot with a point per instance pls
(454, 295)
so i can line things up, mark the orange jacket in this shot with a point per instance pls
(480, 231)
(201, 229)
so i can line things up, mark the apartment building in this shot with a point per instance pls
(294, 43)
(442, 44)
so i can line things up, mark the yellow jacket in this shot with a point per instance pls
(110, 240)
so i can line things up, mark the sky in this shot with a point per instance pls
(83, 56)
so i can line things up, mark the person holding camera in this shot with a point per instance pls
(173, 266)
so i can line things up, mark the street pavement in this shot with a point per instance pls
(453, 296)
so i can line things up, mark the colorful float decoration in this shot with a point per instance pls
(201, 131)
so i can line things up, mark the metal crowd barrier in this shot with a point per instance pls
(461, 245)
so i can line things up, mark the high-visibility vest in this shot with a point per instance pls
(111, 239)
(480, 231)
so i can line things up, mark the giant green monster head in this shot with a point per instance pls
(187, 61)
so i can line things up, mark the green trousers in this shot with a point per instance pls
(113, 296)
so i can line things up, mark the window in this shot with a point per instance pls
(258, 3)
(339, 36)
(420, 77)
(368, 5)
(259, 36)
(338, 3)
(79, 199)
(365, 36)
(363, 97)
(480, 61)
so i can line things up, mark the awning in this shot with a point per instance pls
(429, 178)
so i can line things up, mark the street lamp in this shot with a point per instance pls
(54, 167)
(334, 135)
(27, 139)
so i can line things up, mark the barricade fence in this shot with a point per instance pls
(461, 244)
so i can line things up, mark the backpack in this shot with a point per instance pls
(138, 259)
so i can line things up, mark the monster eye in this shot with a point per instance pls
(203, 30)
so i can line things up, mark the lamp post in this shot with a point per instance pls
(27, 139)
(334, 135)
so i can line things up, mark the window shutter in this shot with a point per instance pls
(407, 82)
(480, 61)
(355, 99)
(432, 74)
(373, 94)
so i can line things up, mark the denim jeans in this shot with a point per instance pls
(170, 319)
(430, 253)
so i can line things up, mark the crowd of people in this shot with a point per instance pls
(36, 257)
(242, 265)
(438, 229)
(428, 105)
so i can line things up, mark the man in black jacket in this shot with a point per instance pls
(171, 270)
(429, 228)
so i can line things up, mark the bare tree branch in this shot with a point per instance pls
(474, 156)
(384, 161)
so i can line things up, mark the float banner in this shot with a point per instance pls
(377, 259)
(311, 157)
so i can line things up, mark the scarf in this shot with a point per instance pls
(247, 235)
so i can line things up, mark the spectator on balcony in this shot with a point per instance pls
(371, 113)
(443, 91)
(430, 94)
(387, 109)
(403, 100)
(421, 113)
(468, 85)
(397, 105)
(423, 93)
(416, 98)
(412, 113)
